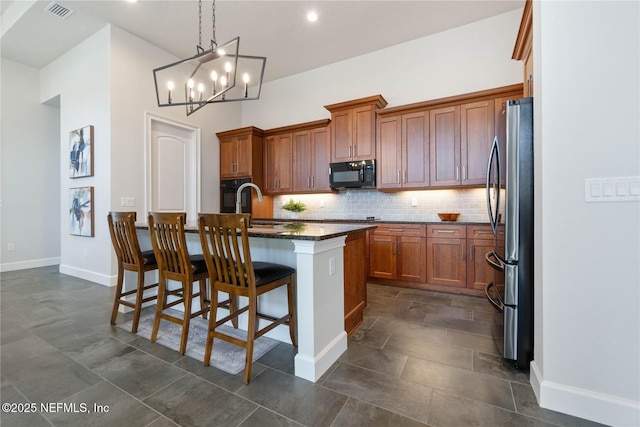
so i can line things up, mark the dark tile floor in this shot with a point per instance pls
(420, 358)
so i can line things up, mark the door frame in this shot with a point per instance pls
(150, 119)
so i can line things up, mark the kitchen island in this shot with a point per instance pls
(316, 252)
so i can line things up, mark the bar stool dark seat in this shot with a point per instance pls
(169, 242)
(225, 246)
(130, 258)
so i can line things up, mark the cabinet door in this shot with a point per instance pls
(479, 272)
(411, 256)
(244, 156)
(444, 145)
(302, 155)
(446, 264)
(320, 159)
(363, 133)
(278, 156)
(476, 135)
(415, 146)
(389, 152)
(228, 157)
(342, 136)
(355, 282)
(382, 256)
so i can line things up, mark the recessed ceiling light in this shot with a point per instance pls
(312, 16)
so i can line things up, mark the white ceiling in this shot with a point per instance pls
(275, 29)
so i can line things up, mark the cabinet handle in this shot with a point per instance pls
(396, 230)
(398, 177)
(445, 231)
(464, 173)
(470, 252)
(484, 232)
(404, 176)
(313, 181)
(355, 152)
(309, 181)
(463, 246)
(457, 173)
(350, 151)
(393, 248)
(398, 248)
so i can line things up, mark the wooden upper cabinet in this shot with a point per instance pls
(297, 158)
(403, 151)
(241, 153)
(277, 163)
(477, 130)
(523, 49)
(311, 160)
(353, 128)
(444, 145)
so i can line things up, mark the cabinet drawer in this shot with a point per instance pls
(447, 231)
(401, 230)
(479, 232)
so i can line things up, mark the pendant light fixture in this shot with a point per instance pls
(210, 75)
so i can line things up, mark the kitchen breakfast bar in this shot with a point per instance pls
(315, 250)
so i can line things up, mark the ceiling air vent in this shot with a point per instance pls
(59, 10)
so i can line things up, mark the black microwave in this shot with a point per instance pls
(356, 174)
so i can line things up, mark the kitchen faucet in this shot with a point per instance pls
(242, 187)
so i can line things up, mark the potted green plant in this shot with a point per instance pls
(294, 208)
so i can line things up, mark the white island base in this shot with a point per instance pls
(319, 268)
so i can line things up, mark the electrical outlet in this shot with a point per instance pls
(414, 202)
(332, 266)
(11, 247)
(128, 202)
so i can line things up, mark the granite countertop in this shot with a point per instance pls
(372, 221)
(298, 230)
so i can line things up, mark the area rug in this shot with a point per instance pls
(226, 356)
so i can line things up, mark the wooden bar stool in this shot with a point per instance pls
(225, 246)
(122, 228)
(174, 263)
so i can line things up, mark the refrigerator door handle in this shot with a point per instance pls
(493, 216)
(498, 305)
(494, 260)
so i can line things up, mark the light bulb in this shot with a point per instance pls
(214, 76)
(190, 83)
(170, 85)
(245, 78)
(223, 81)
(221, 52)
(200, 87)
(227, 67)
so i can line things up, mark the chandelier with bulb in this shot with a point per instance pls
(211, 75)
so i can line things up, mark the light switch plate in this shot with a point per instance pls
(615, 189)
(128, 202)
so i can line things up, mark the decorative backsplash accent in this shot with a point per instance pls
(397, 206)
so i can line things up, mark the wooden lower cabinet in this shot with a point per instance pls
(397, 252)
(355, 280)
(448, 258)
(480, 241)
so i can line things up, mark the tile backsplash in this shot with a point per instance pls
(416, 206)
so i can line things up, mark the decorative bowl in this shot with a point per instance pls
(448, 216)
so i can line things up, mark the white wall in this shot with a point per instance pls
(465, 59)
(107, 82)
(30, 206)
(587, 355)
(81, 79)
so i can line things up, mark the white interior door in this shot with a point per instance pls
(173, 167)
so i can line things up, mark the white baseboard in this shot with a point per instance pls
(587, 404)
(92, 276)
(33, 263)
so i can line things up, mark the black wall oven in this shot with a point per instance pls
(228, 189)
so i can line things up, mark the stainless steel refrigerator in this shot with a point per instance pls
(510, 175)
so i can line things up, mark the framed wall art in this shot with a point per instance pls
(81, 152)
(81, 211)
